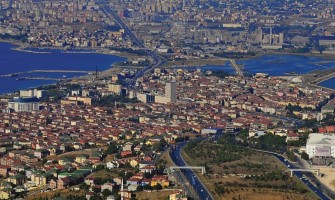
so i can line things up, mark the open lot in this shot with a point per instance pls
(329, 177)
(52, 194)
(161, 194)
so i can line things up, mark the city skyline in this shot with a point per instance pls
(167, 99)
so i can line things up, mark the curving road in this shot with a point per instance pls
(301, 176)
(157, 60)
(204, 194)
(189, 174)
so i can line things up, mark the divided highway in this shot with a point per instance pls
(301, 176)
(175, 154)
(189, 174)
(204, 194)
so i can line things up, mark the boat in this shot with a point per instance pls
(22, 78)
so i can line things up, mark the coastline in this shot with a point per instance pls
(28, 51)
(216, 61)
(19, 46)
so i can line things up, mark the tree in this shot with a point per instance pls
(160, 145)
(100, 167)
(106, 192)
(139, 188)
(112, 148)
(304, 156)
(44, 161)
(96, 190)
(321, 48)
(84, 186)
(147, 187)
(158, 186)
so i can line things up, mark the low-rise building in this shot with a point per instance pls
(24, 104)
(321, 145)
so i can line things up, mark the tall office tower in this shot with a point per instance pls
(170, 91)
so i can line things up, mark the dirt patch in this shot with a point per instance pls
(161, 194)
(52, 194)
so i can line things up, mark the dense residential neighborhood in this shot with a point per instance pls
(170, 120)
(64, 144)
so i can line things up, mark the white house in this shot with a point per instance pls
(112, 165)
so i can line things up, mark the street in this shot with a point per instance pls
(157, 60)
(301, 176)
(189, 174)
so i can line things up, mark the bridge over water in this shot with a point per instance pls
(238, 68)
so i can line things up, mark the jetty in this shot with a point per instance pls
(40, 78)
(60, 71)
(47, 71)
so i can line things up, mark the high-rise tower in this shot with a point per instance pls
(170, 91)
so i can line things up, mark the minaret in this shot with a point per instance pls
(122, 189)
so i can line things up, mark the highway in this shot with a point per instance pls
(157, 60)
(200, 189)
(175, 154)
(316, 189)
(203, 193)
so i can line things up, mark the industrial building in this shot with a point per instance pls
(321, 145)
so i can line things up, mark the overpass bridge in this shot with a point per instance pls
(173, 168)
(317, 171)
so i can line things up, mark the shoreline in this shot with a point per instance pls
(215, 61)
(19, 46)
